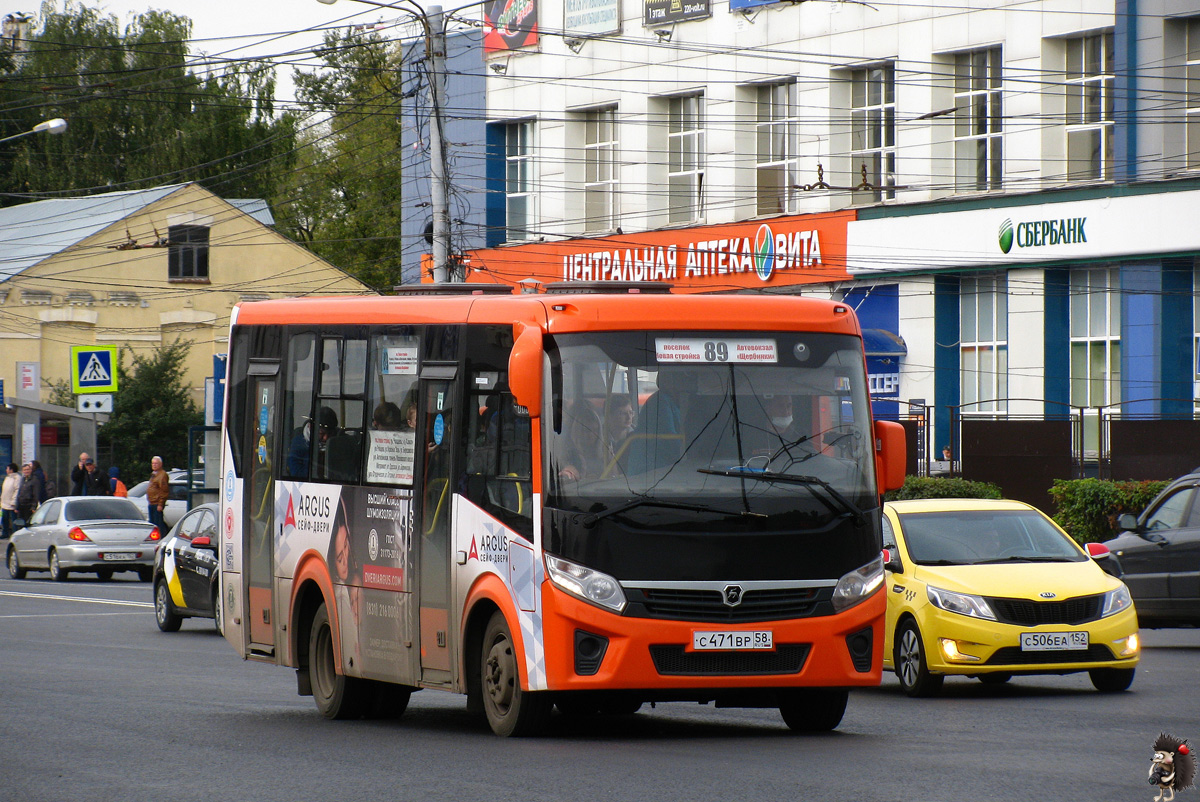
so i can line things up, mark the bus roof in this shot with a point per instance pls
(561, 313)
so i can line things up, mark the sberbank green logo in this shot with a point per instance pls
(1006, 236)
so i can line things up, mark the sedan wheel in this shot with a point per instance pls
(57, 572)
(909, 660)
(14, 565)
(164, 614)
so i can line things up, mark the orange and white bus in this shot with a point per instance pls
(577, 498)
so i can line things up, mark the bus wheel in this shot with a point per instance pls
(813, 709)
(337, 696)
(509, 710)
(387, 700)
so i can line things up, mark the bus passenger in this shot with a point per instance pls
(583, 456)
(300, 450)
(659, 436)
(387, 417)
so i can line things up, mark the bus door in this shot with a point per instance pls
(259, 513)
(435, 591)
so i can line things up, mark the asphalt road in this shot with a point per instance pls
(97, 704)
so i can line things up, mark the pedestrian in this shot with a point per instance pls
(44, 487)
(8, 499)
(157, 494)
(115, 486)
(28, 493)
(95, 483)
(77, 475)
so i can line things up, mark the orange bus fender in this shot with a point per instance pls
(311, 566)
(489, 587)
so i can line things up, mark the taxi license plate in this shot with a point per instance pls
(733, 641)
(118, 556)
(1053, 641)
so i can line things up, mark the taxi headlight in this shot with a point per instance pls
(1116, 601)
(961, 603)
(591, 586)
(858, 584)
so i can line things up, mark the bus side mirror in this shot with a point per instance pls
(890, 454)
(525, 368)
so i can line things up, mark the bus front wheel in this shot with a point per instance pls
(337, 696)
(813, 709)
(509, 709)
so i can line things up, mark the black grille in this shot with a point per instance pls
(1026, 613)
(674, 660)
(1013, 656)
(709, 605)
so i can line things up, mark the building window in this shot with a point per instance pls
(1193, 92)
(1095, 337)
(873, 130)
(520, 197)
(978, 121)
(778, 163)
(685, 164)
(187, 253)
(983, 342)
(600, 170)
(1089, 107)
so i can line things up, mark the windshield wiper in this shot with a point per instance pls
(810, 483)
(588, 520)
(1024, 558)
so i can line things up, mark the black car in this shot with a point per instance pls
(186, 582)
(1160, 556)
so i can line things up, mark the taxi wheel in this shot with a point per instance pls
(337, 696)
(14, 564)
(57, 572)
(218, 622)
(1111, 680)
(909, 659)
(813, 709)
(509, 709)
(164, 614)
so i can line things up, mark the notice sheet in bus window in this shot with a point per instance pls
(391, 456)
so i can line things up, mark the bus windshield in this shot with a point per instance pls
(647, 425)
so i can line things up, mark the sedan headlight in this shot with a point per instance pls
(1115, 601)
(858, 584)
(961, 603)
(591, 586)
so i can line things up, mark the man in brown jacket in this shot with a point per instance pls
(157, 494)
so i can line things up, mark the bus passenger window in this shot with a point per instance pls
(392, 402)
(298, 400)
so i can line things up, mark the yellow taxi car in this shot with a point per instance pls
(991, 589)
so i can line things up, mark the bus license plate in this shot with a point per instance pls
(118, 556)
(1053, 641)
(732, 641)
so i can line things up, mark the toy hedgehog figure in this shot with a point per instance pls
(1173, 767)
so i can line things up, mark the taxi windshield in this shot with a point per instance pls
(977, 537)
(700, 418)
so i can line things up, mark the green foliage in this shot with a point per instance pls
(137, 115)
(60, 393)
(1088, 508)
(942, 487)
(151, 412)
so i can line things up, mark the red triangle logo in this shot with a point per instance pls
(474, 553)
(289, 519)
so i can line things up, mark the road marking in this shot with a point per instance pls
(18, 595)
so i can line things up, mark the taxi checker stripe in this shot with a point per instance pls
(173, 578)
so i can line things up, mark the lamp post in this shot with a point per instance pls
(435, 51)
(56, 126)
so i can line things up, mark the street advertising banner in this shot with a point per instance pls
(660, 12)
(739, 5)
(591, 17)
(509, 25)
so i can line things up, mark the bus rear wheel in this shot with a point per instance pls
(813, 709)
(337, 696)
(509, 709)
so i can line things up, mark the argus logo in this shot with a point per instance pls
(764, 252)
(1006, 236)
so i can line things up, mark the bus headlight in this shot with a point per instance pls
(591, 586)
(858, 584)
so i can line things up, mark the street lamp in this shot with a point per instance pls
(56, 126)
(435, 51)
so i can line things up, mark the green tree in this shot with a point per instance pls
(152, 411)
(137, 115)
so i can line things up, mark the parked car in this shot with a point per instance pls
(96, 534)
(992, 589)
(177, 499)
(1160, 555)
(186, 581)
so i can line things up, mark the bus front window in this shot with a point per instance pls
(710, 420)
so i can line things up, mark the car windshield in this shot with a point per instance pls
(100, 509)
(975, 537)
(706, 418)
(138, 490)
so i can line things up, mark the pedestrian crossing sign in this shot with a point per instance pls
(93, 369)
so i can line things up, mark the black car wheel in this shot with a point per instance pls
(104, 574)
(14, 564)
(57, 572)
(1112, 680)
(164, 612)
(909, 660)
(216, 608)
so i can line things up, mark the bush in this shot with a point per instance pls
(942, 487)
(1088, 508)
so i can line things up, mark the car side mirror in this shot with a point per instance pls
(1127, 522)
(891, 560)
(204, 542)
(1098, 551)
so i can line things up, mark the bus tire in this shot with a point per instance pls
(337, 696)
(509, 709)
(813, 709)
(387, 700)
